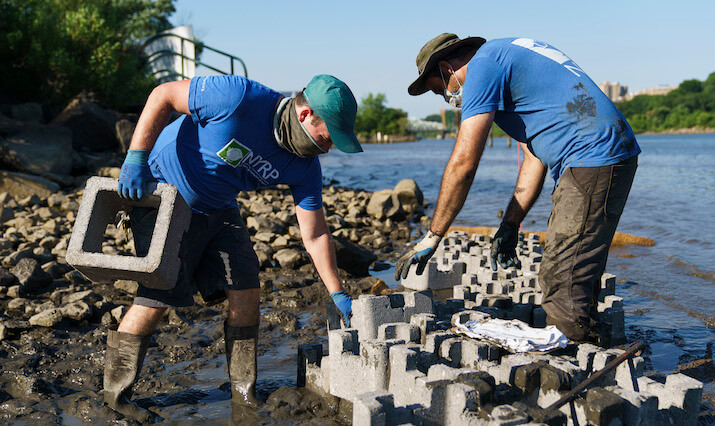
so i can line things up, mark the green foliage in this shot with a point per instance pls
(691, 104)
(373, 116)
(54, 49)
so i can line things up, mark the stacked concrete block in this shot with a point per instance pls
(370, 312)
(100, 204)
(404, 362)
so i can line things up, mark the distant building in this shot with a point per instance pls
(657, 90)
(613, 90)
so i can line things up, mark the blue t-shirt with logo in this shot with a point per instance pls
(542, 98)
(227, 145)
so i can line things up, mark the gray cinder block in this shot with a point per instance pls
(309, 353)
(373, 409)
(160, 267)
(370, 312)
(400, 331)
(437, 275)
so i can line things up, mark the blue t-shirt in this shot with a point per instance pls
(542, 98)
(227, 145)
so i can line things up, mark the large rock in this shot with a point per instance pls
(409, 194)
(289, 258)
(93, 128)
(39, 149)
(47, 318)
(21, 185)
(384, 205)
(353, 258)
(30, 275)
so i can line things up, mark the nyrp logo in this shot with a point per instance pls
(233, 153)
(236, 154)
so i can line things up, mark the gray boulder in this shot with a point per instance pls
(39, 149)
(124, 130)
(93, 127)
(384, 205)
(289, 258)
(30, 111)
(409, 194)
(47, 318)
(30, 275)
(21, 185)
(352, 258)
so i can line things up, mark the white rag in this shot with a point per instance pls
(514, 335)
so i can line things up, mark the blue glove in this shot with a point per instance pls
(134, 175)
(344, 303)
(420, 254)
(504, 246)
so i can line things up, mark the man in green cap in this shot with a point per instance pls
(235, 135)
(563, 121)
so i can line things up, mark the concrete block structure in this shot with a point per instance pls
(100, 204)
(402, 363)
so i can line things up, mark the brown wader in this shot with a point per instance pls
(122, 364)
(587, 204)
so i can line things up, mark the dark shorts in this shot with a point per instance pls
(216, 255)
(587, 205)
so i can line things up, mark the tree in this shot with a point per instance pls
(373, 116)
(54, 49)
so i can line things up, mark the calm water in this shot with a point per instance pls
(671, 202)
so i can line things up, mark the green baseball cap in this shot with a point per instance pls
(434, 51)
(332, 101)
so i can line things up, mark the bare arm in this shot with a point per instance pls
(163, 100)
(528, 187)
(460, 170)
(318, 243)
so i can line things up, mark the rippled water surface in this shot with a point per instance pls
(671, 202)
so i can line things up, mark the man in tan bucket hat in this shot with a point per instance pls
(563, 122)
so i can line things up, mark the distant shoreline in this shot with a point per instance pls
(683, 131)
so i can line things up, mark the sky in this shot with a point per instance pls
(372, 45)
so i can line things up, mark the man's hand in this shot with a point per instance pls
(504, 246)
(344, 303)
(134, 175)
(420, 254)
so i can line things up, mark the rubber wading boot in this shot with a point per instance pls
(241, 345)
(125, 355)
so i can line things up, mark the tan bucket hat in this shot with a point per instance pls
(433, 52)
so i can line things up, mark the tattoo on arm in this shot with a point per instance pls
(519, 190)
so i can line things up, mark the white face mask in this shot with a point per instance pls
(452, 98)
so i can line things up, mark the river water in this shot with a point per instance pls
(668, 289)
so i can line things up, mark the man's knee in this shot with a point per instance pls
(141, 320)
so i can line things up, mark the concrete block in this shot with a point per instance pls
(370, 312)
(505, 372)
(373, 409)
(434, 340)
(475, 353)
(470, 315)
(343, 341)
(584, 356)
(604, 407)
(600, 360)
(427, 323)
(451, 349)
(628, 372)
(369, 369)
(462, 292)
(404, 360)
(608, 286)
(641, 407)
(399, 331)
(436, 276)
(309, 353)
(160, 267)
(682, 392)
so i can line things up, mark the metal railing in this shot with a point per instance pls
(170, 72)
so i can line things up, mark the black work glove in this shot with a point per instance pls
(504, 246)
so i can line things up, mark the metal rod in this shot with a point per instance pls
(637, 346)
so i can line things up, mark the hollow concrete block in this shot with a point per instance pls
(436, 276)
(309, 353)
(641, 407)
(399, 331)
(370, 312)
(160, 267)
(373, 409)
